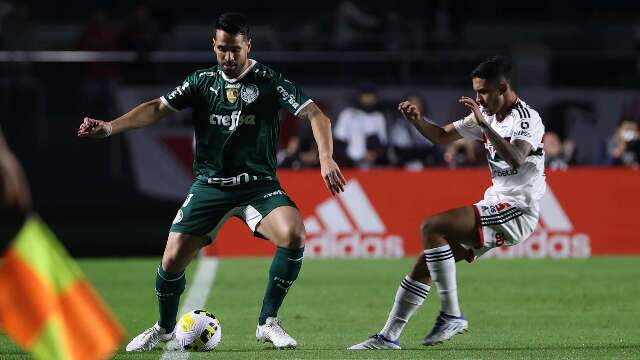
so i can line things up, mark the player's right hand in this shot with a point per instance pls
(92, 128)
(409, 111)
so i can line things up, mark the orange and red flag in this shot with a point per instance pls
(47, 306)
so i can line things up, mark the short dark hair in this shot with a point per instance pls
(233, 23)
(493, 69)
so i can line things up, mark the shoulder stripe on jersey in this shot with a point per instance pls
(519, 112)
(524, 113)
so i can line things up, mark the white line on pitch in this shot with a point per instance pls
(195, 299)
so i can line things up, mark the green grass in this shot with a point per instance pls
(531, 309)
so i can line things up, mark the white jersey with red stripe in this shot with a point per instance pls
(525, 185)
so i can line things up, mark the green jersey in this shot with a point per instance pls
(237, 121)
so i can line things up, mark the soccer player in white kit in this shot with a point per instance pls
(511, 132)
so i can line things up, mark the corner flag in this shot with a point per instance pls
(47, 306)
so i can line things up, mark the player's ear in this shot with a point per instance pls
(248, 40)
(502, 87)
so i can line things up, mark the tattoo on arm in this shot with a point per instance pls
(309, 112)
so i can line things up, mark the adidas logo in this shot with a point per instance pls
(348, 226)
(555, 236)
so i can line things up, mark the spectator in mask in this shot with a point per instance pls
(410, 148)
(361, 132)
(624, 146)
(558, 154)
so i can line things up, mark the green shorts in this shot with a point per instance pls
(207, 207)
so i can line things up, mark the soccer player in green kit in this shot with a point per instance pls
(236, 111)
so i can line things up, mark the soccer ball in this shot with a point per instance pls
(198, 330)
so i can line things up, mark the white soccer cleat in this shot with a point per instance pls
(377, 342)
(445, 328)
(273, 332)
(150, 338)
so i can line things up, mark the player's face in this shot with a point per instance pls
(231, 52)
(488, 95)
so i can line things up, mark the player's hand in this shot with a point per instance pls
(333, 178)
(409, 111)
(15, 191)
(92, 128)
(473, 106)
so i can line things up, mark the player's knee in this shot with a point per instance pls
(294, 238)
(434, 231)
(170, 262)
(428, 229)
(174, 257)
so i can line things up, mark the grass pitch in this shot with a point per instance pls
(533, 309)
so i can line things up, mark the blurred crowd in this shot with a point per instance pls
(148, 25)
(370, 134)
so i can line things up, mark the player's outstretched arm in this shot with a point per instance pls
(321, 127)
(143, 115)
(434, 133)
(514, 154)
(14, 190)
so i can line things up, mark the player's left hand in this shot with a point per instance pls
(473, 106)
(332, 176)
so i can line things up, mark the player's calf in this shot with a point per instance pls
(284, 227)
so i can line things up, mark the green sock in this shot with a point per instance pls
(284, 271)
(169, 287)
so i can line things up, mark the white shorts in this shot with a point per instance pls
(502, 223)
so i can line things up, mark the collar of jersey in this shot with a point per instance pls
(253, 63)
(511, 109)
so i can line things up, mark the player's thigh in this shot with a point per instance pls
(271, 214)
(284, 227)
(457, 226)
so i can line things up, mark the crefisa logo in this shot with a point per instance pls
(348, 226)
